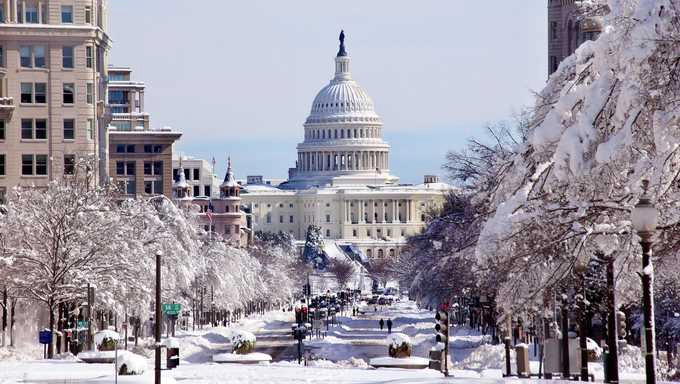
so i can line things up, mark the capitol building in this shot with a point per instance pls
(342, 181)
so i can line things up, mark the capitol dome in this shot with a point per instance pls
(343, 142)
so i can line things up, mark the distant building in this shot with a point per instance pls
(140, 158)
(341, 181)
(260, 180)
(199, 174)
(53, 57)
(570, 23)
(220, 215)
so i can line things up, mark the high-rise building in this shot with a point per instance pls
(570, 23)
(140, 158)
(199, 174)
(53, 61)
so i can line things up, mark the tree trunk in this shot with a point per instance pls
(4, 316)
(12, 320)
(50, 346)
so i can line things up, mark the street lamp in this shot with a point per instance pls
(158, 318)
(643, 218)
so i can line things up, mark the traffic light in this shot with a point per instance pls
(441, 327)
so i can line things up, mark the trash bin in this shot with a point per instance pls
(522, 351)
(172, 358)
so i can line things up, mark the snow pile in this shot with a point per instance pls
(100, 336)
(171, 342)
(404, 362)
(130, 363)
(239, 337)
(486, 356)
(255, 357)
(397, 339)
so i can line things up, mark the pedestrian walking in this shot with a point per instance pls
(381, 323)
(389, 325)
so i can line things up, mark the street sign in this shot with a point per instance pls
(171, 309)
(45, 336)
(81, 324)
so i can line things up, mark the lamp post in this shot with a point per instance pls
(643, 218)
(158, 318)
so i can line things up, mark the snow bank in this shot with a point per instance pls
(105, 334)
(255, 357)
(130, 363)
(412, 361)
(171, 342)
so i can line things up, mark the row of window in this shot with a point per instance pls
(340, 133)
(127, 168)
(34, 56)
(28, 14)
(227, 228)
(151, 187)
(36, 93)
(132, 148)
(36, 164)
(36, 129)
(188, 173)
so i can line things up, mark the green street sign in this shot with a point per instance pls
(171, 309)
(81, 324)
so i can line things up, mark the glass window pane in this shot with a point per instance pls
(130, 148)
(25, 53)
(120, 168)
(67, 57)
(26, 164)
(26, 92)
(39, 57)
(2, 130)
(67, 14)
(157, 168)
(26, 128)
(2, 164)
(130, 167)
(90, 93)
(40, 93)
(41, 129)
(120, 148)
(69, 93)
(147, 168)
(147, 148)
(89, 56)
(148, 187)
(69, 129)
(31, 14)
(158, 186)
(41, 164)
(131, 187)
(69, 164)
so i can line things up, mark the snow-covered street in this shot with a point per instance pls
(341, 357)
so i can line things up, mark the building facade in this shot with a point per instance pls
(570, 23)
(341, 181)
(220, 216)
(199, 174)
(139, 158)
(53, 61)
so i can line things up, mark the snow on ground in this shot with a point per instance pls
(341, 357)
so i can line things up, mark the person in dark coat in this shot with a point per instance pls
(381, 323)
(389, 325)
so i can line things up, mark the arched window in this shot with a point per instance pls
(323, 134)
(336, 133)
(391, 252)
(369, 253)
(342, 133)
(381, 254)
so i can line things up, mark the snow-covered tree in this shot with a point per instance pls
(313, 251)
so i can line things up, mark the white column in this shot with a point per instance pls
(7, 13)
(141, 101)
(39, 12)
(23, 11)
(16, 11)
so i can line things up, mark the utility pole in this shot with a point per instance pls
(612, 331)
(565, 339)
(158, 318)
(90, 299)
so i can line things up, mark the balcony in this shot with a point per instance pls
(6, 108)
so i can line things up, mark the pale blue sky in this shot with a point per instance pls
(239, 77)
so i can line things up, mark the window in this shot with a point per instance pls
(26, 60)
(67, 14)
(157, 148)
(89, 56)
(131, 187)
(90, 93)
(269, 218)
(69, 164)
(120, 168)
(147, 168)
(27, 92)
(88, 16)
(290, 219)
(290, 205)
(197, 190)
(206, 190)
(27, 165)
(28, 132)
(227, 230)
(328, 218)
(2, 129)
(197, 174)
(90, 129)
(2, 165)
(354, 232)
(148, 185)
(40, 93)
(553, 30)
(187, 174)
(34, 165)
(280, 219)
(39, 57)
(69, 129)
(2, 55)
(67, 57)
(236, 228)
(553, 64)
(31, 14)
(157, 168)
(69, 93)
(130, 148)
(41, 129)
(328, 233)
(147, 148)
